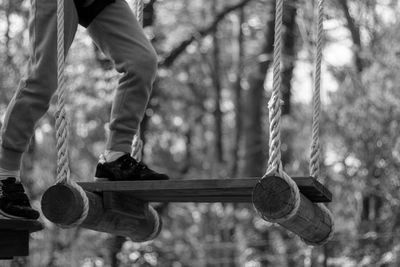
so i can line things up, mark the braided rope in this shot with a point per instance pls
(139, 11)
(63, 171)
(315, 145)
(274, 104)
(137, 144)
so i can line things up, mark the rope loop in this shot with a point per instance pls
(85, 209)
(331, 233)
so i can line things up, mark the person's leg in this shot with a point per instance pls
(119, 36)
(33, 95)
(31, 101)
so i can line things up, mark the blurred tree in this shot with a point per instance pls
(361, 145)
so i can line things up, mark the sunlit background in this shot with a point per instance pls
(207, 118)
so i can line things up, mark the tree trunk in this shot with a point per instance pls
(355, 35)
(238, 94)
(116, 244)
(216, 77)
(255, 140)
(289, 53)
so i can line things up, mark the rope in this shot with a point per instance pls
(275, 102)
(137, 144)
(274, 106)
(315, 144)
(139, 11)
(63, 171)
(331, 233)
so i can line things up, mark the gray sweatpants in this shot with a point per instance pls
(117, 33)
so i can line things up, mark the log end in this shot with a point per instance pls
(62, 204)
(274, 198)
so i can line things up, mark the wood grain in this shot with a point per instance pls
(203, 190)
(275, 200)
(118, 213)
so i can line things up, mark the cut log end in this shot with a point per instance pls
(274, 198)
(62, 204)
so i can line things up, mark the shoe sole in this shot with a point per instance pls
(101, 179)
(108, 180)
(4, 215)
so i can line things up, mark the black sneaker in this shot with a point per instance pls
(126, 168)
(14, 203)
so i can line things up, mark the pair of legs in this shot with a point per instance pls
(117, 33)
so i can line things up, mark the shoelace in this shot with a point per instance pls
(142, 166)
(131, 162)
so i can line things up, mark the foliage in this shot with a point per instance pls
(360, 136)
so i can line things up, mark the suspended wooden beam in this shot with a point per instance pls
(14, 237)
(203, 190)
(276, 201)
(117, 213)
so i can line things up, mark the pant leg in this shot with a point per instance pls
(120, 37)
(33, 95)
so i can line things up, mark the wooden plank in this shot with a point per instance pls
(13, 243)
(14, 236)
(203, 190)
(198, 199)
(20, 225)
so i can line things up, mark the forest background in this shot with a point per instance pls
(208, 118)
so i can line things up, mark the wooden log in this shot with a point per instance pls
(274, 200)
(14, 236)
(115, 213)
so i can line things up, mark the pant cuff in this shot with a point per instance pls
(118, 141)
(9, 159)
